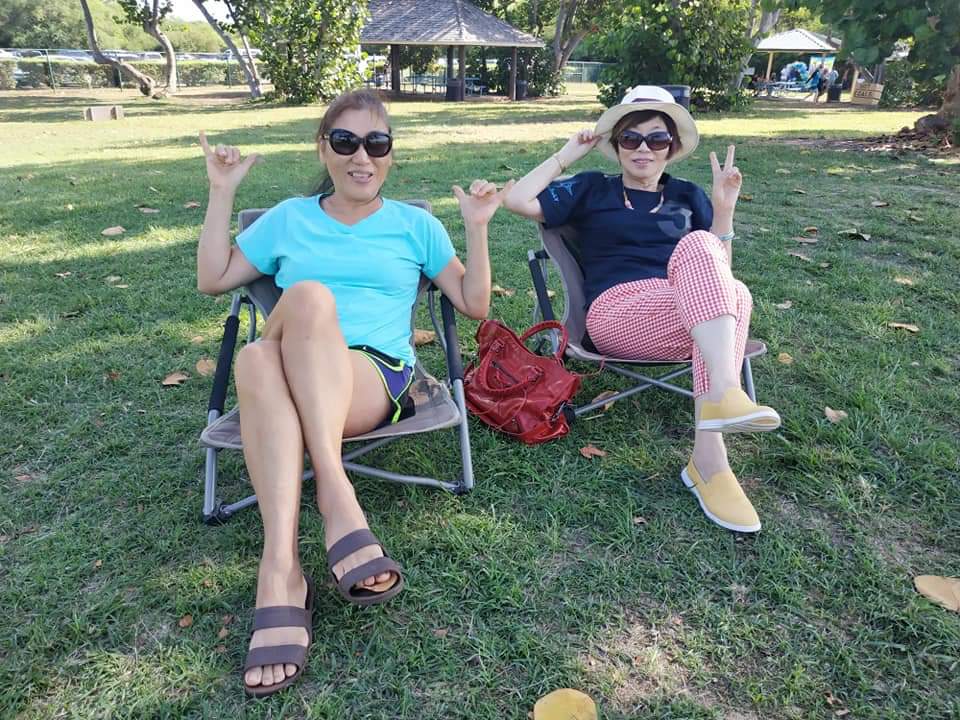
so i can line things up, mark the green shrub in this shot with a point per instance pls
(65, 74)
(7, 80)
(905, 84)
(534, 66)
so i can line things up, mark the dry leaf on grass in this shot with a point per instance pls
(440, 632)
(639, 520)
(223, 633)
(915, 218)
(220, 648)
(98, 564)
(746, 198)
(603, 396)
(502, 291)
(175, 378)
(148, 210)
(909, 327)
(186, 621)
(151, 188)
(945, 591)
(205, 366)
(64, 274)
(903, 280)
(798, 191)
(807, 240)
(113, 231)
(785, 305)
(422, 337)
(810, 230)
(533, 293)
(565, 704)
(834, 416)
(880, 203)
(823, 265)
(800, 255)
(112, 375)
(113, 278)
(854, 234)
(782, 171)
(197, 339)
(191, 204)
(23, 478)
(589, 451)
(785, 358)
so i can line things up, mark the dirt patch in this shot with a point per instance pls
(906, 142)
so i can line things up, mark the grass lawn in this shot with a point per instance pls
(557, 570)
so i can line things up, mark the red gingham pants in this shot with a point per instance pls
(651, 319)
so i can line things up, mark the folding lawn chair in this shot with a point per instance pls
(562, 246)
(435, 409)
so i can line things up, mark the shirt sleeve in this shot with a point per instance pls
(701, 208)
(438, 250)
(563, 200)
(259, 242)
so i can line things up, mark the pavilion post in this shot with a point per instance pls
(512, 90)
(395, 68)
(770, 64)
(449, 62)
(462, 72)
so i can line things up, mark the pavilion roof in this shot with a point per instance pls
(797, 40)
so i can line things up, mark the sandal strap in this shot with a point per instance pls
(277, 616)
(370, 568)
(350, 543)
(276, 655)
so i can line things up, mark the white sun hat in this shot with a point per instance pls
(648, 97)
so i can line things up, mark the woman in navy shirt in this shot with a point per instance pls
(656, 257)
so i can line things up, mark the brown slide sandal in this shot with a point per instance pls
(277, 616)
(349, 544)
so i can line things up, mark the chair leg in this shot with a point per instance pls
(748, 380)
(466, 455)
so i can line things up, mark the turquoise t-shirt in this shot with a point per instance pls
(372, 268)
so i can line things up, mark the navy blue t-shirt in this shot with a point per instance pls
(620, 245)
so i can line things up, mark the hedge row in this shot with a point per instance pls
(35, 72)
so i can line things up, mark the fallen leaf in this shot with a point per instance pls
(149, 210)
(504, 166)
(533, 293)
(121, 286)
(785, 305)
(207, 583)
(422, 337)
(223, 633)
(810, 230)
(915, 218)
(197, 339)
(799, 255)
(807, 240)
(98, 564)
(798, 191)
(841, 713)
(68, 206)
(113, 278)
(945, 591)
(831, 700)
(113, 231)
(589, 451)
(639, 520)
(785, 358)
(64, 274)
(910, 327)
(23, 478)
(205, 366)
(834, 416)
(880, 203)
(70, 314)
(502, 291)
(112, 375)
(151, 188)
(440, 632)
(823, 265)
(782, 171)
(854, 234)
(175, 378)
(603, 396)
(746, 198)
(220, 648)
(903, 280)
(186, 621)
(191, 204)
(227, 619)
(835, 171)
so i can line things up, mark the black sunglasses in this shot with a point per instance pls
(343, 142)
(657, 140)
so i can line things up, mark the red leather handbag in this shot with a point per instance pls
(515, 391)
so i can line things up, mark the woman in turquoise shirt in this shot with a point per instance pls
(334, 358)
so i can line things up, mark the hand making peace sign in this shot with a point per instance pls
(727, 181)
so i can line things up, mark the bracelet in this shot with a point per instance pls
(727, 237)
(563, 168)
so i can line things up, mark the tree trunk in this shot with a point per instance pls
(569, 47)
(564, 20)
(253, 79)
(768, 20)
(146, 83)
(152, 28)
(950, 109)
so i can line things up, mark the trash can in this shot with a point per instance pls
(454, 90)
(521, 89)
(681, 93)
(833, 93)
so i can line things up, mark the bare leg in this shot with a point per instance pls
(716, 341)
(709, 450)
(273, 449)
(333, 390)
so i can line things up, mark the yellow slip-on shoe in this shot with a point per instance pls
(722, 499)
(736, 412)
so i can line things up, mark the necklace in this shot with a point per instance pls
(629, 206)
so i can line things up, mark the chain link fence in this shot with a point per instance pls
(576, 71)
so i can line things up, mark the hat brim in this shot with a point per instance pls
(686, 127)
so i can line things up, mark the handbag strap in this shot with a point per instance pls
(549, 325)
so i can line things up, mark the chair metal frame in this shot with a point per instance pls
(261, 296)
(555, 250)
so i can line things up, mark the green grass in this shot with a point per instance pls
(541, 578)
